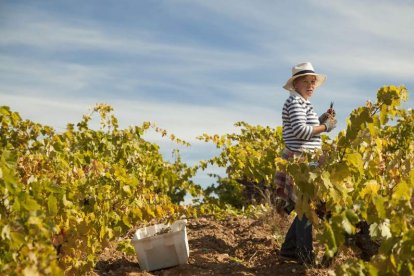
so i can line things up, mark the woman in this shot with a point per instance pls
(301, 132)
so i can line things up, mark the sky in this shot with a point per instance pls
(195, 67)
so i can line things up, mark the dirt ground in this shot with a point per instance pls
(234, 246)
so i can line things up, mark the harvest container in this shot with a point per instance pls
(156, 251)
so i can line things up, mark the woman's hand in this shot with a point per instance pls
(330, 123)
(329, 113)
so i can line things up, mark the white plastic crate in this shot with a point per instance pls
(163, 250)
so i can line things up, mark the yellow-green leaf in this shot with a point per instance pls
(371, 187)
(30, 204)
(402, 191)
(52, 205)
(355, 160)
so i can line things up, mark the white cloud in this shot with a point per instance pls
(185, 121)
(42, 110)
(34, 75)
(350, 39)
(391, 21)
(353, 37)
(51, 34)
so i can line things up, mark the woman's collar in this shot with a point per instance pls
(294, 93)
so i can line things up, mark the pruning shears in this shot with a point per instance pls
(331, 110)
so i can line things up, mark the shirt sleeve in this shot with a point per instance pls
(297, 114)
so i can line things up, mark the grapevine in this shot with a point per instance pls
(366, 175)
(65, 196)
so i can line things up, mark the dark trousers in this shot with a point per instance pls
(298, 239)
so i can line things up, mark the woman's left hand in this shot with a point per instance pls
(323, 117)
(329, 113)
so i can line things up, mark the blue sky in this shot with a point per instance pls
(197, 66)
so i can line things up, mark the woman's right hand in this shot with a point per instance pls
(330, 123)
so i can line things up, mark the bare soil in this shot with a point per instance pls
(234, 246)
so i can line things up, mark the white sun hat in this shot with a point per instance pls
(303, 69)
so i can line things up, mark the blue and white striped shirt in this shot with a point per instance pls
(298, 120)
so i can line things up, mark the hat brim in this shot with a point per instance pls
(320, 79)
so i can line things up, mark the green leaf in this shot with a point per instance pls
(125, 220)
(371, 188)
(17, 240)
(35, 221)
(380, 230)
(379, 203)
(30, 204)
(326, 181)
(328, 238)
(387, 246)
(352, 216)
(347, 226)
(8, 176)
(5, 232)
(127, 189)
(126, 247)
(354, 160)
(411, 177)
(384, 229)
(102, 231)
(52, 205)
(402, 191)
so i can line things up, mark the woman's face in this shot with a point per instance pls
(305, 86)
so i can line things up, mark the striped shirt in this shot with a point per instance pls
(298, 120)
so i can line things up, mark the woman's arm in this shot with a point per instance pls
(318, 129)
